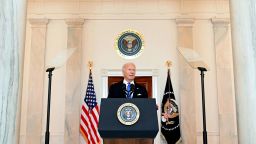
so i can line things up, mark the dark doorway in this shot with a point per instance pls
(146, 81)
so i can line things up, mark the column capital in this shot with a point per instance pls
(75, 22)
(220, 22)
(220, 28)
(36, 22)
(185, 22)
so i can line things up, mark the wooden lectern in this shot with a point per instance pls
(113, 131)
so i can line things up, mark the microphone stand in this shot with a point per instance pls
(47, 133)
(202, 70)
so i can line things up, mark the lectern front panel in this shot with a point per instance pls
(145, 127)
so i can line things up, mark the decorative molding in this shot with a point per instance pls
(114, 9)
(223, 22)
(186, 22)
(220, 28)
(35, 22)
(75, 22)
(155, 72)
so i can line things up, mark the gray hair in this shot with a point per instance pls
(126, 64)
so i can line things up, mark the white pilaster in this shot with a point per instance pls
(36, 81)
(225, 80)
(186, 79)
(73, 81)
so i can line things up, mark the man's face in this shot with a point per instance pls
(129, 72)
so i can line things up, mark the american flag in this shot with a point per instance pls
(90, 116)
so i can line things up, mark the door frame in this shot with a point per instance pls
(139, 72)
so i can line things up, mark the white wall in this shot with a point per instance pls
(160, 46)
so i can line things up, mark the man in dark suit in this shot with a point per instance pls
(127, 88)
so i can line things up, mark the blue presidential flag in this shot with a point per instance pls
(170, 126)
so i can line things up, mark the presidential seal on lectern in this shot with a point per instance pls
(128, 114)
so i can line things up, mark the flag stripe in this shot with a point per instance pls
(92, 134)
(84, 134)
(89, 135)
(93, 125)
(86, 126)
(85, 119)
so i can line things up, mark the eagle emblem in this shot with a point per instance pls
(129, 42)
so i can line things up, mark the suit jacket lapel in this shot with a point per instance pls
(122, 91)
(135, 94)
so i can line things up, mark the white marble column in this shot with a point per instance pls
(243, 24)
(36, 81)
(186, 79)
(12, 33)
(225, 80)
(73, 81)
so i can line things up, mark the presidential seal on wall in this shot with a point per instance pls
(129, 44)
(128, 114)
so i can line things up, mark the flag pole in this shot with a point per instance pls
(169, 64)
(90, 63)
